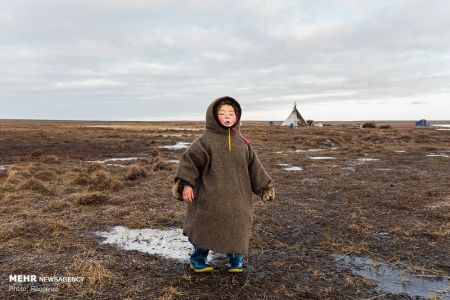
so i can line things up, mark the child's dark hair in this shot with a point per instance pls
(228, 102)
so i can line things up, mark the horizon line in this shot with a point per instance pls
(318, 121)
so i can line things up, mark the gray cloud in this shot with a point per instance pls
(138, 59)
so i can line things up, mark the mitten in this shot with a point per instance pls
(177, 190)
(268, 193)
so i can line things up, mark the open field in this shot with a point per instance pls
(342, 191)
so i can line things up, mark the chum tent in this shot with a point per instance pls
(295, 119)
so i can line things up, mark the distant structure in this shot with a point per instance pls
(295, 119)
(422, 123)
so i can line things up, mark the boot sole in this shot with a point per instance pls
(207, 269)
(235, 270)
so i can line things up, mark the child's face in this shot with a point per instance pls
(227, 115)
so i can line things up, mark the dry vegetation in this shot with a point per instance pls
(395, 209)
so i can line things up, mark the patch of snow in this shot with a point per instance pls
(321, 157)
(175, 161)
(113, 159)
(105, 126)
(349, 168)
(177, 146)
(293, 168)
(170, 243)
(289, 167)
(316, 150)
(364, 159)
(436, 155)
(441, 125)
(182, 129)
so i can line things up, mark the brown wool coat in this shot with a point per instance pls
(221, 214)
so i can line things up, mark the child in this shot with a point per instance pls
(216, 177)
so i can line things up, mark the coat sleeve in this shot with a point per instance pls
(258, 176)
(192, 163)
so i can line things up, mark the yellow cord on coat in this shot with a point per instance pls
(229, 139)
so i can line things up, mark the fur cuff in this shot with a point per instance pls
(268, 193)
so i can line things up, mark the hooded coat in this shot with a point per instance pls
(224, 171)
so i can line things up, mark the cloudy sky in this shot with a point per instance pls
(167, 60)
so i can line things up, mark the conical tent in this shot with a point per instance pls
(294, 118)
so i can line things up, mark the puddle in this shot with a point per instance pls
(182, 129)
(364, 159)
(177, 146)
(441, 126)
(390, 279)
(310, 150)
(289, 167)
(170, 243)
(349, 168)
(440, 204)
(322, 157)
(116, 159)
(436, 155)
(293, 168)
(173, 161)
(307, 150)
(117, 165)
(105, 126)
(316, 150)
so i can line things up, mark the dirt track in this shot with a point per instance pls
(380, 196)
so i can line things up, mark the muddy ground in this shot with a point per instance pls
(386, 194)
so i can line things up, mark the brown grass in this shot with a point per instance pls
(96, 166)
(320, 210)
(81, 179)
(96, 275)
(57, 205)
(14, 176)
(103, 180)
(161, 165)
(346, 247)
(363, 229)
(89, 198)
(45, 175)
(50, 159)
(35, 185)
(135, 171)
(171, 292)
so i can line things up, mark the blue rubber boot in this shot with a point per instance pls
(198, 259)
(235, 263)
